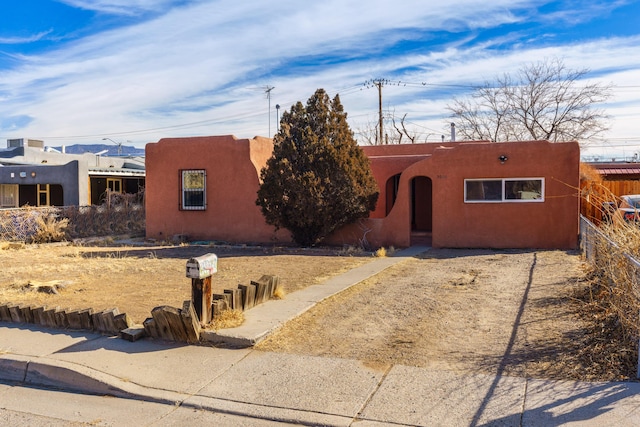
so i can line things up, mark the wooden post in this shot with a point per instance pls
(249, 296)
(200, 270)
(201, 295)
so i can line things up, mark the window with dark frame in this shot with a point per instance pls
(504, 190)
(193, 190)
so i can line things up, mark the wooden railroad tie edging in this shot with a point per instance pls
(246, 296)
(175, 324)
(170, 323)
(109, 322)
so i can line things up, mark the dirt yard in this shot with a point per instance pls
(506, 312)
(137, 279)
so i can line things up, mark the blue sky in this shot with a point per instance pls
(77, 71)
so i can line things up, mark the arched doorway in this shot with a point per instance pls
(421, 210)
(391, 192)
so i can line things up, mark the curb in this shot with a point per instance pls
(79, 378)
(73, 377)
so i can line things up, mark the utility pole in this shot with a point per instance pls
(268, 90)
(379, 84)
(119, 144)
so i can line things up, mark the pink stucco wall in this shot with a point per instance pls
(233, 167)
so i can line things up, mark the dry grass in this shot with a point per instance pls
(605, 351)
(279, 293)
(611, 296)
(137, 279)
(381, 253)
(227, 319)
(123, 215)
(50, 229)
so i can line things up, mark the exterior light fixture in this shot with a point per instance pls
(503, 159)
(33, 174)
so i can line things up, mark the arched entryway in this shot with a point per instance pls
(421, 210)
(391, 192)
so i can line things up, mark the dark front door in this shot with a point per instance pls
(421, 204)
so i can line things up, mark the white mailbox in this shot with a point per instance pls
(202, 266)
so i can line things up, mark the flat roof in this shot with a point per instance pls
(619, 171)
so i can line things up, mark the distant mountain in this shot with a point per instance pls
(112, 149)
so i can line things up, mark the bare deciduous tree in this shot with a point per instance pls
(397, 132)
(367, 134)
(544, 100)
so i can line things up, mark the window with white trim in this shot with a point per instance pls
(193, 190)
(504, 190)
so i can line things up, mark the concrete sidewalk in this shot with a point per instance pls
(299, 389)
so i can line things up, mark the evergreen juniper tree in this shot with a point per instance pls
(317, 178)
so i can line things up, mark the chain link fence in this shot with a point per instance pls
(24, 224)
(611, 252)
(598, 248)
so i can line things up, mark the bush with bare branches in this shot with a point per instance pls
(613, 291)
(50, 228)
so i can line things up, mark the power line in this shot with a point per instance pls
(150, 130)
(377, 83)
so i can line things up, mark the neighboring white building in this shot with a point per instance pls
(32, 175)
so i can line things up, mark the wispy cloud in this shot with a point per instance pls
(120, 7)
(25, 39)
(581, 11)
(200, 67)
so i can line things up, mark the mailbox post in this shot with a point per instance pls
(200, 270)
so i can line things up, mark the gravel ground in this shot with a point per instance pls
(509, 312)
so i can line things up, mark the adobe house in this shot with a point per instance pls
(459, 194)
(474, 194)
(30, 174)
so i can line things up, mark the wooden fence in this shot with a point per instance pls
(595, 194)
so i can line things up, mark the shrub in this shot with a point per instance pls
(50, 229)
(317, 179)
